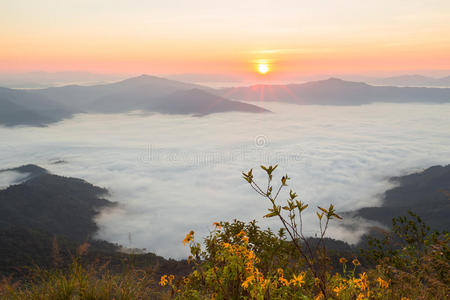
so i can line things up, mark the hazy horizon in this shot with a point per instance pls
(42, 79)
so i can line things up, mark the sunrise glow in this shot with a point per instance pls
(263, 68)
(135, 37)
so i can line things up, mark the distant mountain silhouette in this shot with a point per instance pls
(411, 81)
(170, 100)
(19, 107)
(148, 93)
(196, 101)
(335, 91)
(155, 94)
(107, 96)
(426, 193)
(41, 79)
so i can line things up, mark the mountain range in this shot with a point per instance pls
(334, 91)
(41, 79)
(154, 94)
(147, 93)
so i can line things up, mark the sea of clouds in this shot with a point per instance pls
(171, 174)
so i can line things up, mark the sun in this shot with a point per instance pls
(263, 68)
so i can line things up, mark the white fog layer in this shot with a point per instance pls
(171, 174)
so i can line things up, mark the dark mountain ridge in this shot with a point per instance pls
(426, 193)
(336, 91)
(53, 204)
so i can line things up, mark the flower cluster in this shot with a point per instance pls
(231, 269)
(166, 280)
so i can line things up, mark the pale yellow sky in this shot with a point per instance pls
(304, 37)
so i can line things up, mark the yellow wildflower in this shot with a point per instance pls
(284, 281)
(241, 234)
(382, 283)
(363, 281)
(188, 237)
(342, 260)
(265, 283)
(163, 280)
(226, 245)
(360, 297)
(171, 278)
(299, 280)
(320, 296)
(338, 289)
(356, 262)
(248, 281)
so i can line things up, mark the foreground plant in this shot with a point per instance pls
(229, 268)
(241, 261)
(314, 254)
(415, 259)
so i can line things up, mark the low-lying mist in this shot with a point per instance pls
(171, 174)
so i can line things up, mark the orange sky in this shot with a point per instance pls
(295, 37)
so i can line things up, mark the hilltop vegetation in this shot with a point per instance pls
(52, 204)
(236, 261)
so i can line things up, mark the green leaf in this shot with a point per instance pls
(292, 194)
(319, 215)
(337, 216)
(272, 214)
(301, 206)
(323, 209)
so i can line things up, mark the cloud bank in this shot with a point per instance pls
(171, 174)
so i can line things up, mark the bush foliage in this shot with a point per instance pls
(240, 260)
